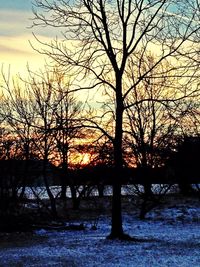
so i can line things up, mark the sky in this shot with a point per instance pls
(15, 35)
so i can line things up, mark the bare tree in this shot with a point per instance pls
(153, 125)
(44, 115)
(29, 110)
(18, 120)
(67, 129)
(99, 38)
(17, 112)
(16, 143)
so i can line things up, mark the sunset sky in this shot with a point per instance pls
(15, 34)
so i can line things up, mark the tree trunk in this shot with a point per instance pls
(75, 198)
(50, 195)
(185, 188)
(148, 189)
(100, 188)
(64, 177)
(117, 229)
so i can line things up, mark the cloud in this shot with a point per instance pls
(12, 50)
(17, 52)
(18, 22)
(15, 49)
(14, 22)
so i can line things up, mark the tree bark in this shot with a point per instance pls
(117, 229)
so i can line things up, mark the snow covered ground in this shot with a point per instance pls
(169, 237)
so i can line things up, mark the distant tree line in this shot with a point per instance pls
(44, 128)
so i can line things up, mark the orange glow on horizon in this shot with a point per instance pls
(86, 158)
(81, 159)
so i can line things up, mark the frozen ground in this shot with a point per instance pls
(169, 237)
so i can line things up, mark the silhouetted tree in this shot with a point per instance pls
(67, 127)
(29, 110)
(185, 162)
(152, 124)
(100, 38)
(17, 139)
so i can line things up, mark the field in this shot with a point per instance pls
(169, 236)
